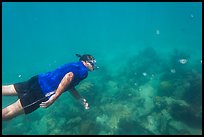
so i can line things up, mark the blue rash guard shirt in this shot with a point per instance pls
(50, 81)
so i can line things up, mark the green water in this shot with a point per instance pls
(140, 88)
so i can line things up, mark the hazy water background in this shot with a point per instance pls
(38, 37)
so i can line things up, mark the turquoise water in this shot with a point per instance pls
(149, 54)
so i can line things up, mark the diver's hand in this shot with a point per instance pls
(84, 103)
(48, 102)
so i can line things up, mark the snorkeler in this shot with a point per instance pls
(43, 89)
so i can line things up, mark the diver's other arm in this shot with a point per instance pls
(61, 88)
(77, 96)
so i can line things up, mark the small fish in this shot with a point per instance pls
(183, 61)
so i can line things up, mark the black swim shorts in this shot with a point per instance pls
(30, 94)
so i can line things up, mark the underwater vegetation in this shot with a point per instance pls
(153, 96)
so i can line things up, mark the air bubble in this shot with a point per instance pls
(158, 32)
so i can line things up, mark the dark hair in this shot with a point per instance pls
(85, 57)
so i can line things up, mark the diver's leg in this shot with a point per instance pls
(8, 90)
(12, 111)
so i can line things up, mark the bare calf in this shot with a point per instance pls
(12, 111)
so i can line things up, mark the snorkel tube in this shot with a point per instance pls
(78, 55)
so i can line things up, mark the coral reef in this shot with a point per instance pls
(150, 95)
(165, 88)
(85, 86)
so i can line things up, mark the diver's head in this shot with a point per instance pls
(88, 61)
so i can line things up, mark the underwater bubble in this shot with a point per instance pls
(135, 84)
(192, 15)
(183, 61)
(19, 75)
(144, 74)
(152, 76)
(157, 32)
(173, 71)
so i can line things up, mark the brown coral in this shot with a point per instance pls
(165, 88)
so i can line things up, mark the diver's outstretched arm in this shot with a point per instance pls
(77, 96)
(75, 93)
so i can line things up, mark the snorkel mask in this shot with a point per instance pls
(88, 58)
(93, 64)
